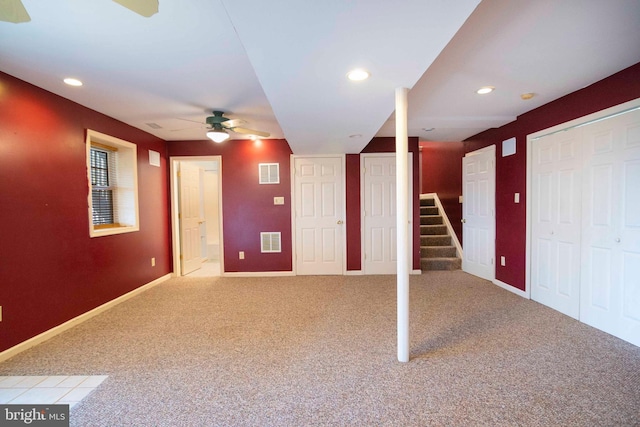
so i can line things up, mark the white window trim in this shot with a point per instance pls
(130, 155)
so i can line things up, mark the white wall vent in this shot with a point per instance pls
(270, 242)
(269, 173)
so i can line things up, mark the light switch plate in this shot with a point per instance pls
(516, 198)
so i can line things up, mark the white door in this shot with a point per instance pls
(319, 214)
(379, 213)
(555, 221)
(189, 178)
(610, 297)
(478, 212)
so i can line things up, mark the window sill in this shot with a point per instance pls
(109, 231)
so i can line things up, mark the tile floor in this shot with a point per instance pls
(59, 389)
(209, 269)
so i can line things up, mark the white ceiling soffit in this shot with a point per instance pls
(302, 51)
(547, 47)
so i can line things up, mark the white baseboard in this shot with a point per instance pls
(258, 274)
(25, 345)
(510, 288)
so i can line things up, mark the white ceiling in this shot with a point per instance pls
(281, 65)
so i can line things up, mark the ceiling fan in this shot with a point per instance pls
(14, 11)
(220, 125)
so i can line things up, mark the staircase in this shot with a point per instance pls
(437, 251)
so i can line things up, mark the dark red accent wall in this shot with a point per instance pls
(354, 244)
(442, 174)
(379, 145)
(51, 270)
(511, 170)
(247, 205)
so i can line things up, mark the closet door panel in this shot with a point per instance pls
(556, 222)
(610, 297)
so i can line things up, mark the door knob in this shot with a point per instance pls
(617, 240)
(340, 222)
(463, 221)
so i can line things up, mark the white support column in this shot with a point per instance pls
(402, 203)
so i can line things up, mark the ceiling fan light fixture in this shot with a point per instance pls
(217, 135)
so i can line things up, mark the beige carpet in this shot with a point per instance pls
(298, 351)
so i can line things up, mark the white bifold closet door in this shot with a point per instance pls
(556, 222)
(610, 293)
(585, 223)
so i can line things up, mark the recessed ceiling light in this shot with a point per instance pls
(358, 75)
(356, 135)
(72, 82)
(428, 129)
(527, 95)
(485, 89)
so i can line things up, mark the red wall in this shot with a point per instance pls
(51, 270)
(442, 174)
(248, 206)
(511, 171)
(353, 208)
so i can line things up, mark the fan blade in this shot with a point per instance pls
(145, 8)
(251, 132)
(13, 11)
(232, 123)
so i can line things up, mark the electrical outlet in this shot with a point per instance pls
(153, 262)
(503, 261)
(241, 254)
(0, 313)
(516, 198)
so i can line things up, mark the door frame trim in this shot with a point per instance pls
(343, 185)
(531, 138)
(174, 203)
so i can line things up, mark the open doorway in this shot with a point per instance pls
(196, 216)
